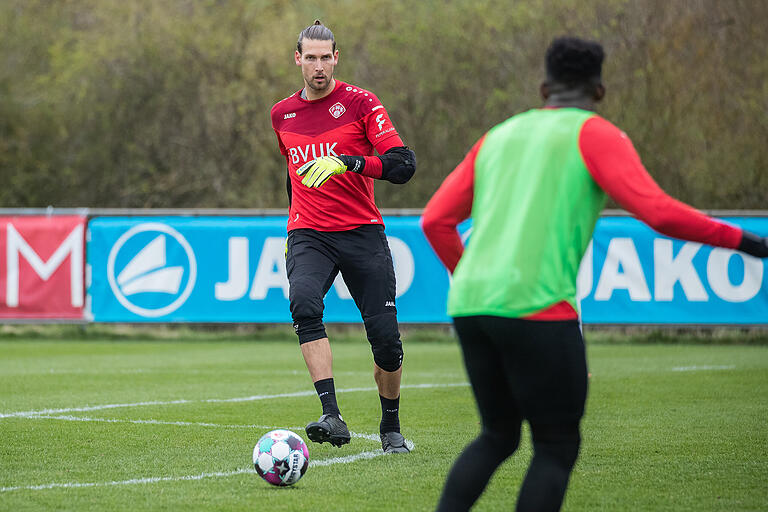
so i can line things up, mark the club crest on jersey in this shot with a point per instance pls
(337, 110)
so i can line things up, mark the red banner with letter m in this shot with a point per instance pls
(42, 267)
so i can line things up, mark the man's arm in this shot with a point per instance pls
(616, 167)
(283, 152)
(397, 162)
(288, 186)
(397, 165)
(451, 204)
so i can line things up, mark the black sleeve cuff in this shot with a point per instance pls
(398, 164)
(754, 245)
(353, 163)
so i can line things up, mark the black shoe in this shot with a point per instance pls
(328, 428)
(393, 442)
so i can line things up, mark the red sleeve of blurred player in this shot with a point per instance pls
(616, 168)
(451, 204)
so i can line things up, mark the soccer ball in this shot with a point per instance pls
(281, 457)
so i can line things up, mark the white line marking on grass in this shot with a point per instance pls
(347, 459)
(93, 408)
(147, 422)
(702, 368)
(22, 414)
(160, 369)
(201, 476)
(370, 437)
(133, 481)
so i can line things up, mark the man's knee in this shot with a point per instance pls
(504, 437)
(388, 356)
(384, 338)
(307, 312)
(559, 441)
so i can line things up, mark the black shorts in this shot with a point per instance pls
(314, 258)
(525, 369)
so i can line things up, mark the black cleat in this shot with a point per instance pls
(393, 442)
(328, 428)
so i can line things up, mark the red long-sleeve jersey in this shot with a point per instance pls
(615, 166)
(350, 121)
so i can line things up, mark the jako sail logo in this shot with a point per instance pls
(151, 269)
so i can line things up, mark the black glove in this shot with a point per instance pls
(754, 245)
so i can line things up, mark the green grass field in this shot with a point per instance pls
(170, 424)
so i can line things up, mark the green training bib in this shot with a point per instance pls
(534, 210)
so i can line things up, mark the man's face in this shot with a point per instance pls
(317, 62)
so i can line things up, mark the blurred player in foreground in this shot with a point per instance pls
(328, 132)
(534, 186)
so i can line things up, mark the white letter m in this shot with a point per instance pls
(72, 245)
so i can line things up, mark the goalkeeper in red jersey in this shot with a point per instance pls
(329, 132)
(535, 185)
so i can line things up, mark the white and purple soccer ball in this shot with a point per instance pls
(281, 457)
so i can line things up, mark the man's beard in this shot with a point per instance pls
(311, 83)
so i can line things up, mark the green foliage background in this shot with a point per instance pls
(166, 104)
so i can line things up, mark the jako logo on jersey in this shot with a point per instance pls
(380, 120)
(302, 154)
(289, 116)
(337, 110)
(147, 266)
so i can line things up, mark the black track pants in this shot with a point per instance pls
(521, 370)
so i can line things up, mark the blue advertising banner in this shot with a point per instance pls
(633, 275)
(232, 269)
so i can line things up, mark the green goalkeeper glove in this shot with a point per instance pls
(318, 171)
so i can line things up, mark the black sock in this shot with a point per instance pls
(390, 420)
(327, 394)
